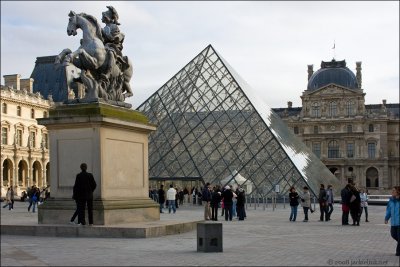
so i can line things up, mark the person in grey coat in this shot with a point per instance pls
(306, 202)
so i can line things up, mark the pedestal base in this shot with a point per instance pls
(105, 212)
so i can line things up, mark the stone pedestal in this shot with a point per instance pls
(113, 142)
(209, 237)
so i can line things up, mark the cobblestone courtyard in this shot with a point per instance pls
(265, 238)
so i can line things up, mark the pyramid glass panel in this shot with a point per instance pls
(212, 126)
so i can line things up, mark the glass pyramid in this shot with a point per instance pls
(211, 126)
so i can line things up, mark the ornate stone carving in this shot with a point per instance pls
(105, 72)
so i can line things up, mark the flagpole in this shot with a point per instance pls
(334, 49)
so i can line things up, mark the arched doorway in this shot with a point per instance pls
(372, 177)
(48, 173)
(37, 174)
(22, 174)
(7, 173)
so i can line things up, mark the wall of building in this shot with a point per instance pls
(24, 143)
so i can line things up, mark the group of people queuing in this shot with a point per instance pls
(33, 194)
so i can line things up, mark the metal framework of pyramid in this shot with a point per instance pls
(211, 126)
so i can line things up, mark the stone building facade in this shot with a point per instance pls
(24, 143)
(357, 142)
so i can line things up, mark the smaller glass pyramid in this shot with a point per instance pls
(211, 125)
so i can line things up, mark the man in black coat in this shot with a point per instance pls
(161, 197)
(346, 195)
(83, 194)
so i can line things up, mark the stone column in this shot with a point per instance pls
(113, 142)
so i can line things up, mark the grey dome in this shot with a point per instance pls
(332, 72)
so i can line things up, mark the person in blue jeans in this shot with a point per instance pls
(294, 203)
(35, 198)
(393, 214)
(171, 196)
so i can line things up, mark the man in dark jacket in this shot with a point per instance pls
(161, 197)
(83, 194)
(345, 195)
(227, 196)
(215, 202)
(322, 199)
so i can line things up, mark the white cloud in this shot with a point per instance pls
(269, 44)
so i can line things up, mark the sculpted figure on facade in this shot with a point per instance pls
(105, 71)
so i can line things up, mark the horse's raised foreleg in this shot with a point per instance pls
(62, 55)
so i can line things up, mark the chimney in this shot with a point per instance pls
(384, 102)
(27, 84)
(12, 80)
(358, 75)
(310, 71)
(289, 104)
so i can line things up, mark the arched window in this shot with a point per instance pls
(333, 149)
(371, 128)
(32, 113)
(332, 109)
(315, 109)
(19, 111)
(372, 176)
(4, 108)
(349, 108)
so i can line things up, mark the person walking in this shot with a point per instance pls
(364, 204)
(215, 202)
(9, 195)
(83, 194)
(306, 202)
(393, 214)
(161, 197)
(35, 198)
(171, 196)
(330, 201)
(228, 195)
(322, 199)
(345, 194)
(294, 203)
(31, 191)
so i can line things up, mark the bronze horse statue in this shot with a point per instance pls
(103, 75)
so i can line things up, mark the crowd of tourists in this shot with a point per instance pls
(354, 202)
(230, 201)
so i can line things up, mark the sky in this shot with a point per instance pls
(268, 43)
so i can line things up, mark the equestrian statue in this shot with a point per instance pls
(105, 71)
